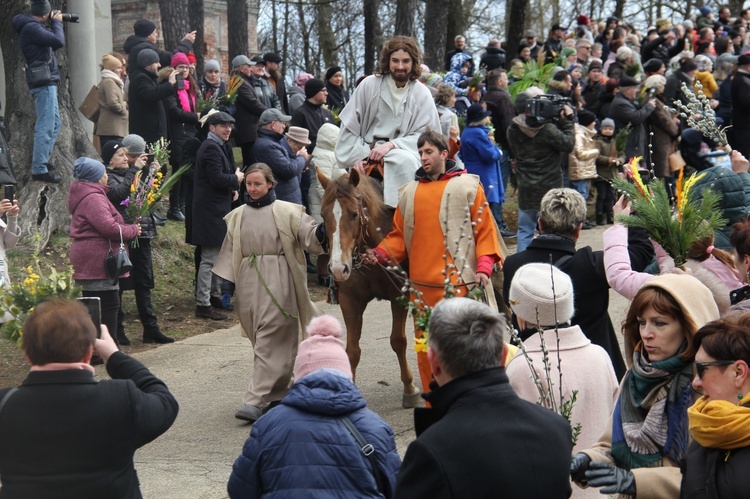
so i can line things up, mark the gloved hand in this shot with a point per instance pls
(579, 463)
(614, 480)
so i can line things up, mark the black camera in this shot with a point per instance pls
(68, 17)
(545, 108)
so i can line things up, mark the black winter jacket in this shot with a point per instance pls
(134, 44)
(148, 116)
(625, 111)
(591, 290)
(311, 117)
(247, 113)
(493, 58)
(714, 473)
(38, 43)
(538, 152)
(740, 91)
(119, 182)
(480, 440)
(499, 104)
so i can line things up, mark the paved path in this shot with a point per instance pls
(209, 373)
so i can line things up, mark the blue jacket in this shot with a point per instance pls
(482, 157)
(301, 449)
(287, 168)
(36, 42)
(735, 198)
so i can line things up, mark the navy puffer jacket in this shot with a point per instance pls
(735, 198)
(301, 449)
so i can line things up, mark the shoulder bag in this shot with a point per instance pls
(368, 451)
(117, 264)
(39, 73)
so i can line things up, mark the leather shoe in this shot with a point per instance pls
(122, 339)
(157, 337)
(270, 406)
(218, 304)
(209, 312)
(50, 167)
(249, 412)
(508, 234)
(175, 214)
(587, 225)
(159, 220)
(48, 177)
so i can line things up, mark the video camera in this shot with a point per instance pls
(71, 17)
(545, 108)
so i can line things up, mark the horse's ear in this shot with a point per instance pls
(324, 181)
(354, 177)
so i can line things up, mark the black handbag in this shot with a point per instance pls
(39, 73)
(117, 264)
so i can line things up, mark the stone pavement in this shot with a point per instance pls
(208, 374)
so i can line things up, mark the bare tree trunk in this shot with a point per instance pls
(373, 35)
(275, 29)
(306, 50)
(619, 8)
(435, 33)
(405, 10)
(285, 49)
(174, 22)
(197, 16)
(515, 26)
(237, 27)
(44, 207)
(735, 6)
(326, 40)
(455, 22)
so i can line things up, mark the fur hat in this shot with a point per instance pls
(109, 149)
(179, 59)
(322, 349)
(135, 144)
(608, 122)
(88, 170)
(299, 134)
(110, 62)
(313, 86)
(211, 65)
(40, 8)
(147, 57)
(144, 27)
(532, 299)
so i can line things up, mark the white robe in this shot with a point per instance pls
(370, 117)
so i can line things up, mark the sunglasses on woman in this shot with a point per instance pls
(700, 367)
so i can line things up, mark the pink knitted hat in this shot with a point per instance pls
(179, 58)
(322, 349)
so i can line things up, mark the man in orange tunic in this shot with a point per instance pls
(443, 224)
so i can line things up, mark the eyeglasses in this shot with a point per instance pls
(183, 67)
(700, 367)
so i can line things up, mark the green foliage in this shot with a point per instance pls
(534, 75)
(20, 298)
(676, 229)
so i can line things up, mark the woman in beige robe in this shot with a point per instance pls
(262, 255)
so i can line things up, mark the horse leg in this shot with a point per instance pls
(398, 344)
(352, 310)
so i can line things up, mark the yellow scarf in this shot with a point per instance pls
(720, 424)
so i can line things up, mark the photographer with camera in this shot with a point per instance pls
(538, 136)
(40, 33)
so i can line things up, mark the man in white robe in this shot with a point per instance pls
(385, 117)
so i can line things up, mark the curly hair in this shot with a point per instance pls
(444, 94)
(408, 45)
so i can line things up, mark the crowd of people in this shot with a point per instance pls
(665, 418)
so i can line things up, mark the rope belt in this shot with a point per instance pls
(253, 261)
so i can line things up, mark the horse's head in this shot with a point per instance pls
(343, 211)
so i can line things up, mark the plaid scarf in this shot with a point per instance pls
(650, 417)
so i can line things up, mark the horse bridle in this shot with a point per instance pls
(362, 233)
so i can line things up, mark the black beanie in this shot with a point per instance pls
(40, 8)
(332, 71)
(586, 118)
(313, 86)
(144, 27)
(109, 149)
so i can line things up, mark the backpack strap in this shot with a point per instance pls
(7, 396)
(367, 449)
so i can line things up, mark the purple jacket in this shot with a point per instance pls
(94, 229)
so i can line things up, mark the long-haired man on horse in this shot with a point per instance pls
(430, 227)
(382, 121)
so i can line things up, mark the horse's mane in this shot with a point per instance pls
(369, 190)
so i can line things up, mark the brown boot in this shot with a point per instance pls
(209, 312)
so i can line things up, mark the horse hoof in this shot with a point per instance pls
(411, 400)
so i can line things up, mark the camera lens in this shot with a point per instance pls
(70, 17)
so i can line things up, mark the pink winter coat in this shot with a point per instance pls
(94, 229)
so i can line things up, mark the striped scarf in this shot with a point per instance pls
(650, 417)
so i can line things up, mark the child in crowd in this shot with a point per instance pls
(582, 161)
(608, 163)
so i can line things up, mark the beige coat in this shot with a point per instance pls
(586, 368)
(272, 296)
(582, 161)
(113, 107)
(9, 235)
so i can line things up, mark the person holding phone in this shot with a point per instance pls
(10, 232)
(96, 228)
(86, 449)
(182, 118)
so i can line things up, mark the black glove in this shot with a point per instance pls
(614, 480)
(579, 463)
(320, 234)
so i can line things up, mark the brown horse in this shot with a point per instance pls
(356, 219)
